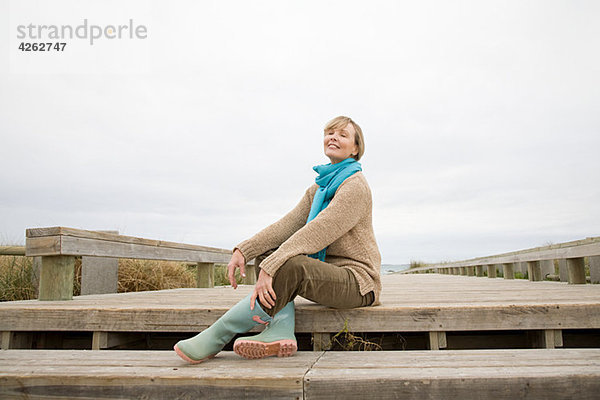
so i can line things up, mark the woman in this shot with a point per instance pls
(323, 250)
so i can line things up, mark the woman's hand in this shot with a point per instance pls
(237, 261)
(264, 290)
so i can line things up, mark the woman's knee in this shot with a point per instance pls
(292, 268)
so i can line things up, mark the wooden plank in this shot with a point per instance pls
(173, 317)
(56, 278)
(12, 250)
(410, 303)
(462, 374)
(43, 246)
(112, 237)
(149, 374)
(91, 247)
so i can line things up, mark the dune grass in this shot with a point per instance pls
(16, 278)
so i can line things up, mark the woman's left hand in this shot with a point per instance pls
(263, 289)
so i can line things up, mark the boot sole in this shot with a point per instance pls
(252, 349)
(191, 361)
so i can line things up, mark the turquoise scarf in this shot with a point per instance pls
(330, 178)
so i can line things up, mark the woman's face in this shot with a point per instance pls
(339, 144)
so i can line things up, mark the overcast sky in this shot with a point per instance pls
(481, 119)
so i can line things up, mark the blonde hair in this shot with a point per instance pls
(340, 123)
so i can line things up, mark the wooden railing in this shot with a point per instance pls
(539, 261)
(12, 250)
(58, 246)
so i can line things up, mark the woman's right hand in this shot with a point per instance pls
(237, 261)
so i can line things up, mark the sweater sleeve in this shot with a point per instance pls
(278, 232)
(349, 204)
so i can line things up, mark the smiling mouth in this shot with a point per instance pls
(332, 146)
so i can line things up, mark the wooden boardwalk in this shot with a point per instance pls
(464, 374)
(429, 303)
(435, 306)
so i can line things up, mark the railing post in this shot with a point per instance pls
(437, 340)
(479, 270)
(99, 274)
(534, 270)
(250, 278)
(509, 270)
(576, 268)
(56, 278)
(321, 341)
(547, 268)
(595, 269)
(205, 275)
(491, 270)
(562, 270)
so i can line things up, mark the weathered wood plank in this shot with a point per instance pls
(12, 250)
(91, 247)
(42, 246)
(112, 237)
(463, 374)
(410, 303)
(162, 374)
(173, 317)
(69, 241)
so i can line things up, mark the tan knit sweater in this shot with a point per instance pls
(345, 225)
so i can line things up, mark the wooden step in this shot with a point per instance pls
(462, 374)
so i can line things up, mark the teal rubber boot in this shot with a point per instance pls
(277, 339)
(206, 344)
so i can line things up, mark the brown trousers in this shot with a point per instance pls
(315, 280)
